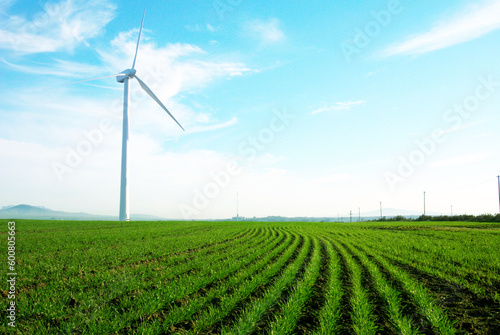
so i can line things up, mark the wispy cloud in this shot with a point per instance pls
(199, 129)
(461, 160)
(211, 28)
(372, 73)
(338, 106)
(58, 26)
(5, 4)
(457, 128)
(471, 23)
(59, 68)
(201, 28)
(267, 32)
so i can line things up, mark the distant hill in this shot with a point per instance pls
(391, 212)
(42, 213)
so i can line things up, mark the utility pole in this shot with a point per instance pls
(451, 210)
(338, 216)
(381, 210)
(424, 203)
(359, 214)
(498, 191)
(350, 215)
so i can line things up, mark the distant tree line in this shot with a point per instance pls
(463, 217)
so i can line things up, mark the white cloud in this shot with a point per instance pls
(59, 26)
(168, 70)
(267, 32)
(200, 28)
(338, 106)
(51, 119)
(211, 28)
(177, 67)
(461, 160)
(331, 179)
(457, 128)
(471, 23)
(158, 179)
(262, 162)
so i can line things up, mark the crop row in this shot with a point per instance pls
(96, 298)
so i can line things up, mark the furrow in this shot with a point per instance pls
(330, 313)
(393, 303)
(286, 320)
(250, 319)
(423, 299)
(179, 314)
(363, 321)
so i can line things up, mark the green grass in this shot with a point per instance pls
(253, 278)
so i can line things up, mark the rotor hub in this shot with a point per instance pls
(126, 74)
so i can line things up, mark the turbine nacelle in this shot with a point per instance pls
(126, 74)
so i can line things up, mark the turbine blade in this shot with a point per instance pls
(139, 39)
(81, 81)
(152, 95)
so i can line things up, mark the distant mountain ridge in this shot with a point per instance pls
(42, 213)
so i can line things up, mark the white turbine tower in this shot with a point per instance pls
(124, 78)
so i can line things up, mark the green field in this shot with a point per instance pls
(254, 278)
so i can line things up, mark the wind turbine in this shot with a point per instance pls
(124, 77)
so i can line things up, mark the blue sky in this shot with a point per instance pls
(303, 109)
